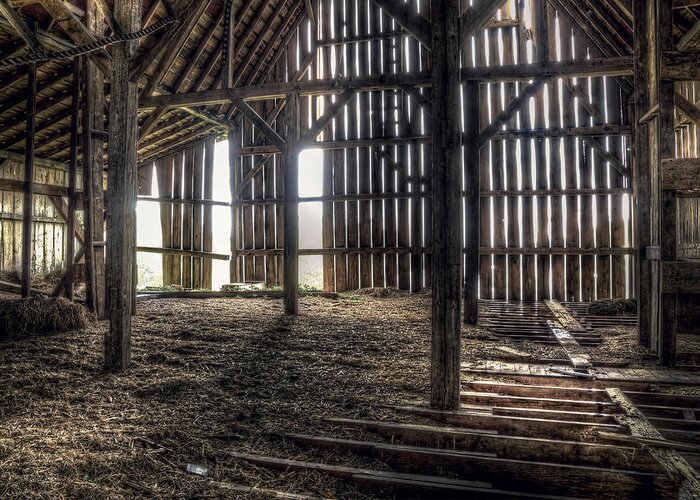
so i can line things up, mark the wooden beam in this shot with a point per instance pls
(680, 174)
(76, 31)
(310, 11)
(515, 105)
(406, 15)
(670, 460)
(122, 175)
(20, 27)
(186, 253)
(322, 122)
(260, 124)
(475, 18)
(72, 177)
(688, 108)
(447, 208)
(28, 195)
(689, 36)
(291, 206)
(171, 45)
(616, 66)
(93, 168)
(642, 171)
(680, 65)
(471, 202)
(40, 162)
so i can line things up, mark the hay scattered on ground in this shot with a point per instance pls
(209, 378)
(40, 315)
(613, 307)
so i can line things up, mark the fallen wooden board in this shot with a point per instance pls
(562, 326)
(675, 465)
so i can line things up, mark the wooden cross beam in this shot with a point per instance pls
(77, 32)
(20, 27)
(261, 124)
(515, 105)
(688, 108)
(689, 36)
(323, 121)
(476, 17)
(408, 18)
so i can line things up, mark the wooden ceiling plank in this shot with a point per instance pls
(143, 61)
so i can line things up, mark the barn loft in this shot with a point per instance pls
(499, 202)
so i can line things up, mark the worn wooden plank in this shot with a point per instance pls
(672, 462)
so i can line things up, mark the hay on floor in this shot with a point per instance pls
(41, 314)
(613, 307)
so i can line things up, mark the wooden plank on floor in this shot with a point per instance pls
(519, 426)
(533, 476)
(674, 464)
(561, 327)
(516, 447)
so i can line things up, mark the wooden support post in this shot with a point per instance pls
(234, 138)
(642, 172)
(72, 178)
(28, 198)
(666, 214)
(447, 207)
(471, 203)
(123, 137)
(291, 206)
(93, 167)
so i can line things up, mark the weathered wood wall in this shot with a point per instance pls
(48, 243)
(185, 182)
(555, 214)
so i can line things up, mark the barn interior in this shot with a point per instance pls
(350, 248)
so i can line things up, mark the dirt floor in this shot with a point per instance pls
(212, 377)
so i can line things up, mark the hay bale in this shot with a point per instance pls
(613, 307)
(41, 315)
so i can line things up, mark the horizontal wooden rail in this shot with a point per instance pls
(186, 253)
